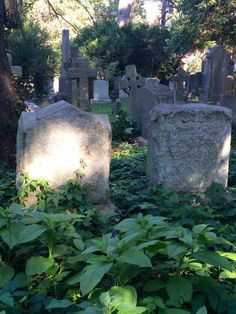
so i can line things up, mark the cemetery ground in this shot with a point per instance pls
(159, 252)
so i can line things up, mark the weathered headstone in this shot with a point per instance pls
(15, 69)
(100, 92)
(194, 87)
(189, 146)
(150, 96)
(216, 67)
(55, 141)
(132, 82)
(178, 82)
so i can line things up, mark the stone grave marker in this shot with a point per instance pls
(75, 75)
(100, 92)
(132, 82)
(189, 146)
(15, 69)
(151, 95)
(53, 143)
(216, 68)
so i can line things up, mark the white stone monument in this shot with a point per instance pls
(100, 92)
(54, 142)
(189, 146)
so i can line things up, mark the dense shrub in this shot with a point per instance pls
(32, 50)
(105, 43)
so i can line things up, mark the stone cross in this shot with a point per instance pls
(15, 69)
(79, 72)
(131, 82)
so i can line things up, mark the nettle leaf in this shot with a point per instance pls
(202, 310)
(179, 290)
(213, 258)
(127, 225)
(6, 274)
(11, 235)
(175, 249)
(30, 233)
(226, 274)
(135, 257)
(37, 265)
(79, 244)
(7, 299)
(173, 311)
(18, 233)
(92, 275)
(58, 304)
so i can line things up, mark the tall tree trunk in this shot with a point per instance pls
(124, 12)
(10, 105)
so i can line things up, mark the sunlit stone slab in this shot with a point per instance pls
(56, 141)
(189, 146)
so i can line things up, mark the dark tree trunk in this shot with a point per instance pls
(10, 105)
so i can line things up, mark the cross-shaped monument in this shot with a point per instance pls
(131, 82)
(75, 75)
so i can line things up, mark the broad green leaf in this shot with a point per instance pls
(11, 235)
(6, 274)
(173, 311)
(213, 258)
(226, 274)
(37, 265)
(175, 249)
(202, 310)
(136, 310)
(7, 299)
(123, 296)
(135, 257)
(179, 290)
(79, 244)
(229, 255)
(127, 225)
(199, 228)
(58, 304)
(105, 299)
(30, 233)
(92, 276)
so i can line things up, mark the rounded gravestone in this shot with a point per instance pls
(189, 146)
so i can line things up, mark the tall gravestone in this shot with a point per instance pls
(64, 81)
(75, 75)
(189, 146)
(55, 142)
(151, 95)
(216, 68)
(132, 82)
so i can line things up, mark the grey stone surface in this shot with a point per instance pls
(189, 146)
(229, 101)
(16, 70)
(75, 75)
(131, 82)
(58, 140)
(216, 67)
(100, 92)
(148, 97)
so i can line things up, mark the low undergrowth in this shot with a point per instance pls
(161, 252)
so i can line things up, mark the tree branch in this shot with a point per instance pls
(59, 15)
(86, 9)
